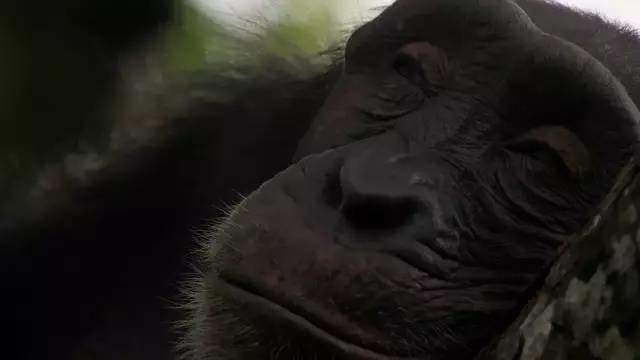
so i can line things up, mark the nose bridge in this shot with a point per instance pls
(337, 118)
(388, 169)
(375, 170)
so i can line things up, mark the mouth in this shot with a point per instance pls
(282, 317)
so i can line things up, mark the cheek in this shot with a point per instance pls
(535, 193)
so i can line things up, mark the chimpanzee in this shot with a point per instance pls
(403, 205)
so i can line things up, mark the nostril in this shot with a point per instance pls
(378, 212)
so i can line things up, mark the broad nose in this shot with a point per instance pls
(377, 188)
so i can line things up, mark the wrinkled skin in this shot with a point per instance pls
(458, 149)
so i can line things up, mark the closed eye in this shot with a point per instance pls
(410, 68)
(554, 144)
(424, 65)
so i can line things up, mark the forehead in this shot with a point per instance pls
(504, 68)
(447, 24)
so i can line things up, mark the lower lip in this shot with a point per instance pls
(271, 309)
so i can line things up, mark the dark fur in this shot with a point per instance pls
(95, 274)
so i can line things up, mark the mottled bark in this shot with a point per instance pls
(589, 305)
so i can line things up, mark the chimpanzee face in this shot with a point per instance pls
(458, 150)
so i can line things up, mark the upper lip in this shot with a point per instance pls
(238, 288)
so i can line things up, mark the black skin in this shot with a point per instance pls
(432, 178)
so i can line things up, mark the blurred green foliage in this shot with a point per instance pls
(63, 66)
(188, 38)
(299, 33)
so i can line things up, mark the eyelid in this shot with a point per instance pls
(409, 67)
(563, 142)
(423, 60)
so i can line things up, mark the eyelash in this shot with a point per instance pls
(539, 151)
(409, 68)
